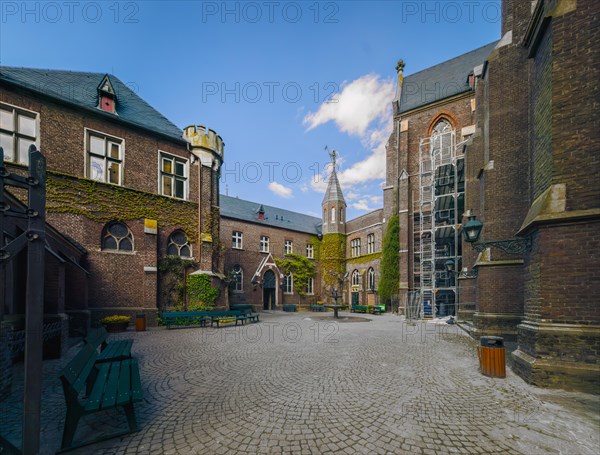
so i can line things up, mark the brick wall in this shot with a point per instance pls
(118, 282)
(250, 257)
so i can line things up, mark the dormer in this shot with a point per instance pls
(261, 213)
(106, 96)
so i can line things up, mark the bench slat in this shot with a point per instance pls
(116, 350)
(136, 383)
(95, 398)
(110, 393)
(81, 368)
(124, 393)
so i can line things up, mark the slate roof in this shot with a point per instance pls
(334, 190)
(80, 88)
(232, 207)
(441, 81)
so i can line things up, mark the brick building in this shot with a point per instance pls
(124, 184)
(255, 236)
(508, 131)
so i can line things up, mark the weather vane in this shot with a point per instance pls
(333, 155)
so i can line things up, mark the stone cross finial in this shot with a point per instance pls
(400, 66)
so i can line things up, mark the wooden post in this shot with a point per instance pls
(34, 313)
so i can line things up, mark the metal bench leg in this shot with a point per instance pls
(130, 414)
(71, 422)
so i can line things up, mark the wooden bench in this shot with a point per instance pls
(317, 307)
(222, 317)
(371, 309)
(116, 350)
(250, 316)
(289, 307)
(185, 318)
(92, 387)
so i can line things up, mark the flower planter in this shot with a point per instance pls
(116, 327)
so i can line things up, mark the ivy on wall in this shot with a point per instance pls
(172, 271)
(364, 259)
(202, 295)
(332, 259)
(301, 267)
(103, 202)
(390, 270)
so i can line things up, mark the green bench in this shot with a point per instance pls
(372, 309)
(289, 307)
(317, 307)
(250, 316)
(185, 318)
(221, 317)
(116, 350)
(91, 387)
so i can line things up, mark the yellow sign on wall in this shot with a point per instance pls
(150, 226)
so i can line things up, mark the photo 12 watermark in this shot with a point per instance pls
(275, 332)
(271, 171)
(440, 11)
(268, 91)
(270, 12)
(70, 12)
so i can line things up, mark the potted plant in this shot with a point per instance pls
(115, 323)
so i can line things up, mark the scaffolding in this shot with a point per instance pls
(437, 215)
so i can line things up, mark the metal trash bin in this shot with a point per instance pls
(492, 356)
(140, 322)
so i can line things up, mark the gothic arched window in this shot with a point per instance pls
(117, 236)
(179, 245)
(371, 276)
(356, 278)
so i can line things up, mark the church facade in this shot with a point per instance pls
(499, 144)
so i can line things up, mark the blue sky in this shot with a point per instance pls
(277, 80)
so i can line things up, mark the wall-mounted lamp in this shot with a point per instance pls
(472, 230)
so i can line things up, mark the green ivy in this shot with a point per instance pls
(332, 259)
(390, 269)
(172, 271)
(102, 202)
(364, 259)
(301, 267)
(202, 295)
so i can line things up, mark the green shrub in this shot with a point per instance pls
(390, 270)
(115, 319)
(201, 294)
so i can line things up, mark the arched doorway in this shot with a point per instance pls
(269, 288)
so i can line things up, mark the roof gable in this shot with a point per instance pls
(232, 207)
(82, 88)
(441, 81)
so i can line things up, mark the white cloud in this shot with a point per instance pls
(280, 190)
(364, 110)
(360, 103)
(362, 204)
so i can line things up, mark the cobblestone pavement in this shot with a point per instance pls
(300, 385)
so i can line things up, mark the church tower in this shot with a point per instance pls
(334, 205)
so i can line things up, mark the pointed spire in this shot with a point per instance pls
(334, 190)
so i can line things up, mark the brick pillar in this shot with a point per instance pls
(559, 339)
(502, 182)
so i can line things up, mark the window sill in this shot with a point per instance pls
(126, 253)
(173, 197)
(237, 249)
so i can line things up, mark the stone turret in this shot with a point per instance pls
(334, 205)
(208, 150)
